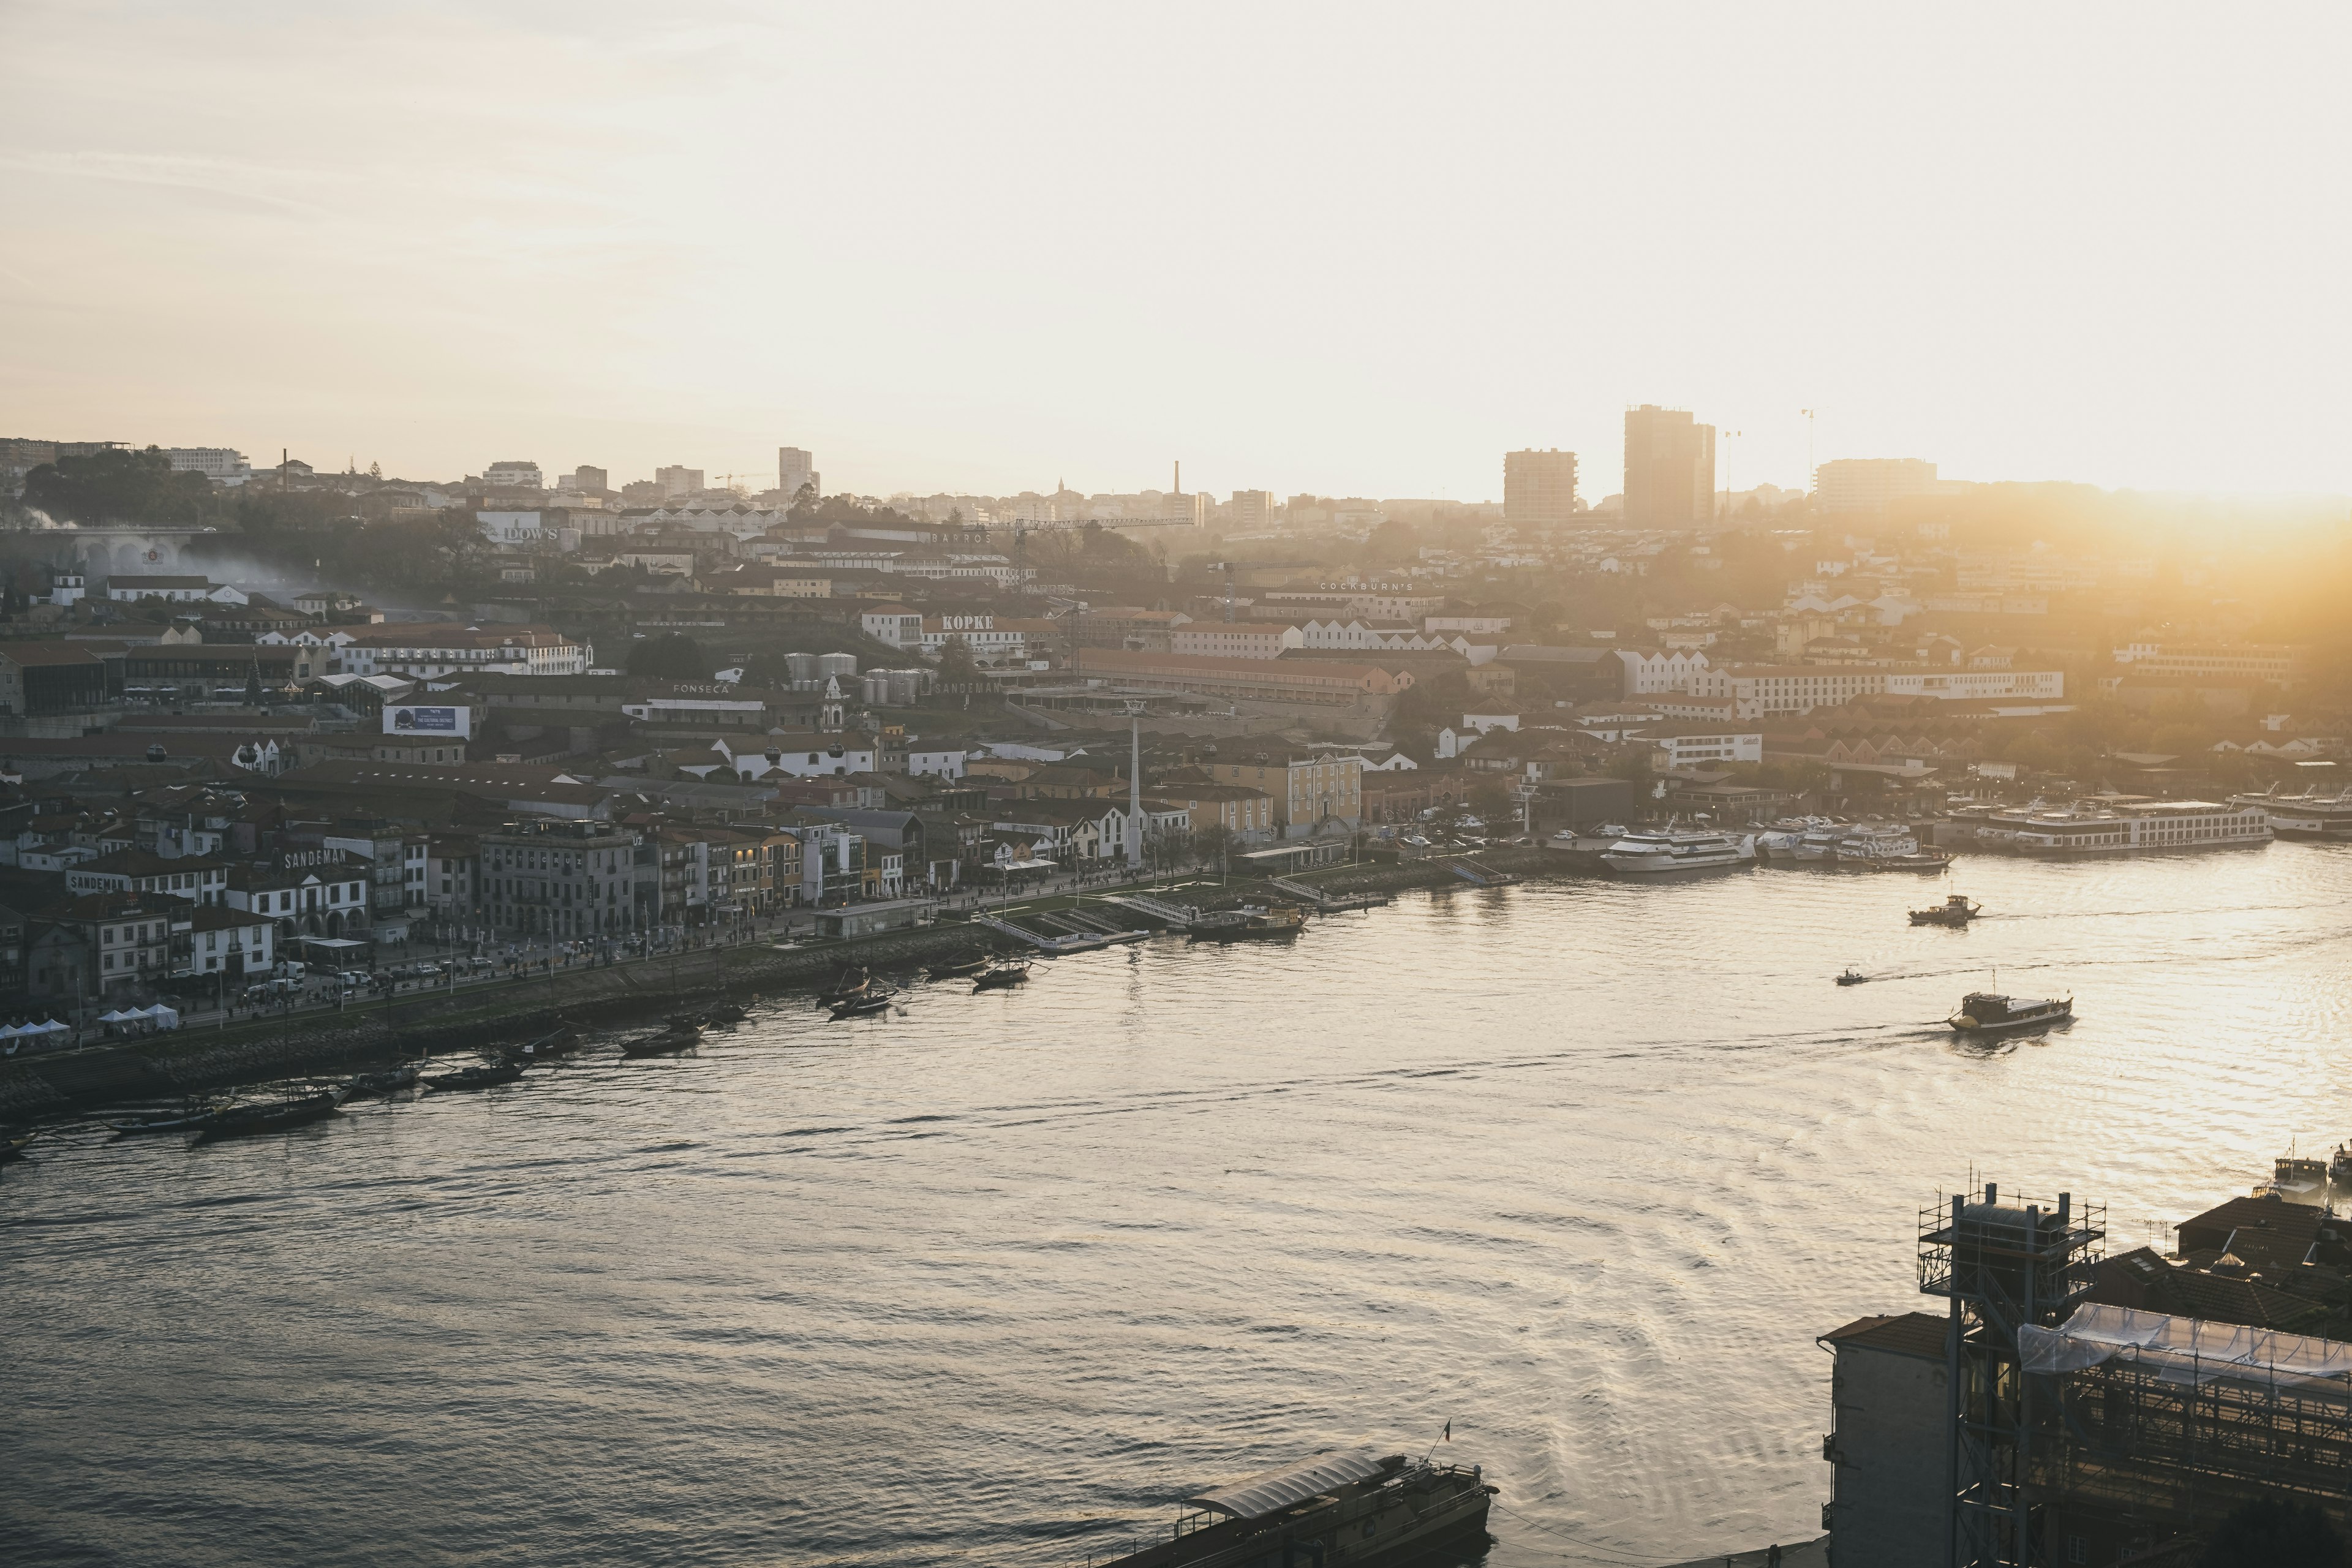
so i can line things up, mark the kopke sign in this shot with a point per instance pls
(407, 720)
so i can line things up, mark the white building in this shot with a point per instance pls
(1686, 745)
(515, 530)
(176, 590)
(222, 465)
(804, 756)
(795, 469)
(1673, 670)
(513, 476)
(935, 762)
(893, 624)
(1235, 639)
(1758, 690)
(990, 643)
(418, 650)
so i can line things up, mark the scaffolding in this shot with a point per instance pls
(2174, 1422)
(2003, 1268)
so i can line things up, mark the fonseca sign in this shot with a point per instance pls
(403, 719)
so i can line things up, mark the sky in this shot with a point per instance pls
(1350, 249)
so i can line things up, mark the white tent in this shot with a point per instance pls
(116, 1015)
(164, 1017)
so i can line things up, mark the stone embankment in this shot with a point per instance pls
(507, 1012)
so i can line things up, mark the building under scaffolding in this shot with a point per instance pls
(2036, 1421)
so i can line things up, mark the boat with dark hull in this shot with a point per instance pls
(1983, 1013)
(961, 969)
(727, 1014)
(190, 1118)
(271, 1116)
(1334, 1510)
(856, 982)
(1852, 977)
(863, 1007)
(1252, 922)
(1000, 976)
(486, 1076)
(1955, 910)
(386, 1081)
(671, 1040)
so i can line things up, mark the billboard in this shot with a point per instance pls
(403, 719)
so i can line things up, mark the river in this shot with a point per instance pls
(1579, 1167)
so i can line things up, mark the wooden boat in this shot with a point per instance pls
(1956, 911)
(999, 977)
(2339, 1165)
(1277, 923)
(1352, 1506)
(187, 1118)
(863, 1007)
(670, 1040)
(727, 1013)
(962, 969)
(389, 1080)
(238, 1120)
(1852, 977)
(14, 1148)
(486, 1076)
(846, 988)
(1983, 1013)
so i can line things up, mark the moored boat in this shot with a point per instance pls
(851, 983)
(271, 1116)
(863, 1007)
(1983, 1013)
(960, 969)
(1670, 849)
(676, 1037)
(13, 1148)
(486, 1076)
(729, 1013)
(2298, 1176)
(1923, 860)
(1955, 910)
(1335, 1508)
(189, 1117)
(2339, 1165)
(1250, 922)
(386, 1081)
(997, 977)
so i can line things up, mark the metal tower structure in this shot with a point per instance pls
(2001, 1266)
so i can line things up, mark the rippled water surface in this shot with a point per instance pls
(1581, 1167)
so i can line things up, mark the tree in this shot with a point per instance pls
(673, 656)
(957, 667)
(119, 486)
(2271, 1532)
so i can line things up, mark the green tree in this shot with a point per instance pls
(120, 486)
(673, 656)
(957, 667)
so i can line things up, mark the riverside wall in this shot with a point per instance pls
(507, 1012)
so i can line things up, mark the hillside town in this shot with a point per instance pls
(257, 720)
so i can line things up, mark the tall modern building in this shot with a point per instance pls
(588, 480)
(794, 468)
(1669, 469)
(1860, 488)
(678, 482)
(1251, 511)
(1540, 488)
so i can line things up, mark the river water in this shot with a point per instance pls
(1579, 1167)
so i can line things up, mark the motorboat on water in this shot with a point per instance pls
(2296, 1176)
(1955, 910)
(1334, 1510)
(1852, 977)
(1984, 1012)
(1654, 852)
(2339, 1165)
(1922, 860)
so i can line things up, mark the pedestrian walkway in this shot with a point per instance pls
(1811, 1554)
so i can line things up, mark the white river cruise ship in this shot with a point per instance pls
(2118, 827)
(2304, 816)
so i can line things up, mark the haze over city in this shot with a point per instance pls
(1340, 250)
(1229, 786)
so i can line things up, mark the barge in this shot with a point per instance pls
(1982, 1012)
(1334, 1509)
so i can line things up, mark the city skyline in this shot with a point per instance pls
(387, 261)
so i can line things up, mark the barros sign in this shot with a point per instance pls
(405, 720)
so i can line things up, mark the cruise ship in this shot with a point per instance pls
(1870, 841)
(2306, 815)
(1667, 849)
(2117, 826)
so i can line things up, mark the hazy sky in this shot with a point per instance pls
(1344, 250)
